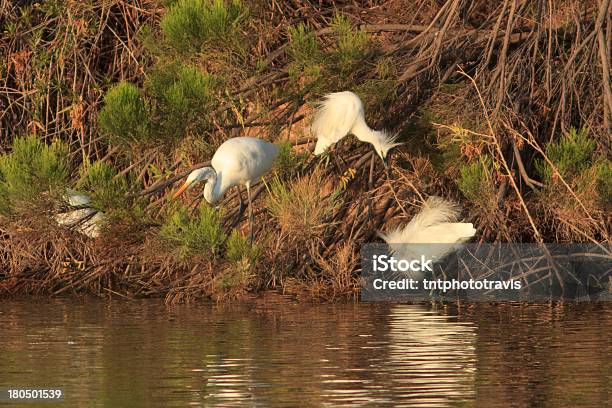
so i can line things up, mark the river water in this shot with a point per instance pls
(147, 354)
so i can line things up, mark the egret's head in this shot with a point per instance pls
(383, 143)
(194, 178)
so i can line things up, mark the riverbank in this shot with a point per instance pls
(119, 101)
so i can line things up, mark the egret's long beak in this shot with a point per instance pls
(181, 190)
(384, 160)
(387, 168)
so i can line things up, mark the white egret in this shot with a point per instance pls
(342, 113)
(85, 219)
(434, 227)
(238, 161)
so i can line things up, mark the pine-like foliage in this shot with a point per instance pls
(189, 236)
(332, 67)
(475, 178)
(184, 97)
(190, 25)
(299, 206)
(124, 119)
(107, 188)
(571, 155)
(239, 249)
(33, 169)
(604, 183)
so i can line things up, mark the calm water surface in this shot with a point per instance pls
(147, 354)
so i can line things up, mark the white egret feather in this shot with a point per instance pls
(238, 161)
(434, 224)
(86, 220)
(341, 114)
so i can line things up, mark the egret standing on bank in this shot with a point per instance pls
(238, 161)
(342, 113)
(435, 227)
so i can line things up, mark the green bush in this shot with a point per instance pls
(604, 182)
(33, 169)
(200, 235)
(183, 96)
(475, 179)
(571, 155)
(338, 65)
(107, 188)
(303, 48)
(352, 45)
(287, 160)
(239, 249)
(5, 203)
(190, 25)
(125, 115)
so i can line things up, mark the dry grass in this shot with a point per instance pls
(300, 206)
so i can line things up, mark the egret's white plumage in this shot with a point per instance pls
(73, 217)
(75, 199)
(238, 161)
(435, 224)
(341, 114)
(88, 221)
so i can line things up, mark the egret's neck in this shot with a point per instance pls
(362, 131)
(213, 190)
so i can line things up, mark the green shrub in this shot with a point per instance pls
(33, 169)
(571, 155)
(5, 204)
(107, 189)
(125, 115)
(352, 45)
(200, 235)
(190, 25)
(303, 48)
(287, 160)
(604, 182)
(238, 249)
(338, 65)
(475, 179)
(183, 95)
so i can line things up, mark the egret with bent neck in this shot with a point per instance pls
(238, 161)
(342, 113)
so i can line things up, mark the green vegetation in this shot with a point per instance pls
(475, 179)
(333, 67)
(31, 171)
(107, 188)
(191, 25)
(574, 158)
(571, 155)
(239, 249)
(242, 268)
(351, 48)
(125, 116)
(303, 51)
(183, 98)
(287, 160)
(604, 182)
(193, 235)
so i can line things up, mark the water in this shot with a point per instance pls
(146, 354)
